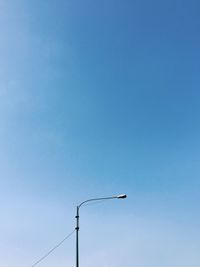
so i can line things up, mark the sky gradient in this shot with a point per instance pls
(99, 98)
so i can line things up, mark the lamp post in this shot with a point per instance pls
(77, 219)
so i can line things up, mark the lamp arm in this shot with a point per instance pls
(95, 199)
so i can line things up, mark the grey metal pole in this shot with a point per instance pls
(77, 231)
(77, 220)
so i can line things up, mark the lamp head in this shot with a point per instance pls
(122, 196)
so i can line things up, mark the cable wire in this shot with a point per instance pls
(54, 248)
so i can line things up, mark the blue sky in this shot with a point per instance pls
(99, 98)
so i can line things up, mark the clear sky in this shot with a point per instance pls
(99, 98)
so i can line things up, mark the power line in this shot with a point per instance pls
(54, 248)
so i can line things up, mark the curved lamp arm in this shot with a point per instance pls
(101, 198)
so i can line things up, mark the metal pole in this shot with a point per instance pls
(77, 220)
(77, 230)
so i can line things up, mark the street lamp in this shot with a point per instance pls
(77, 219)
